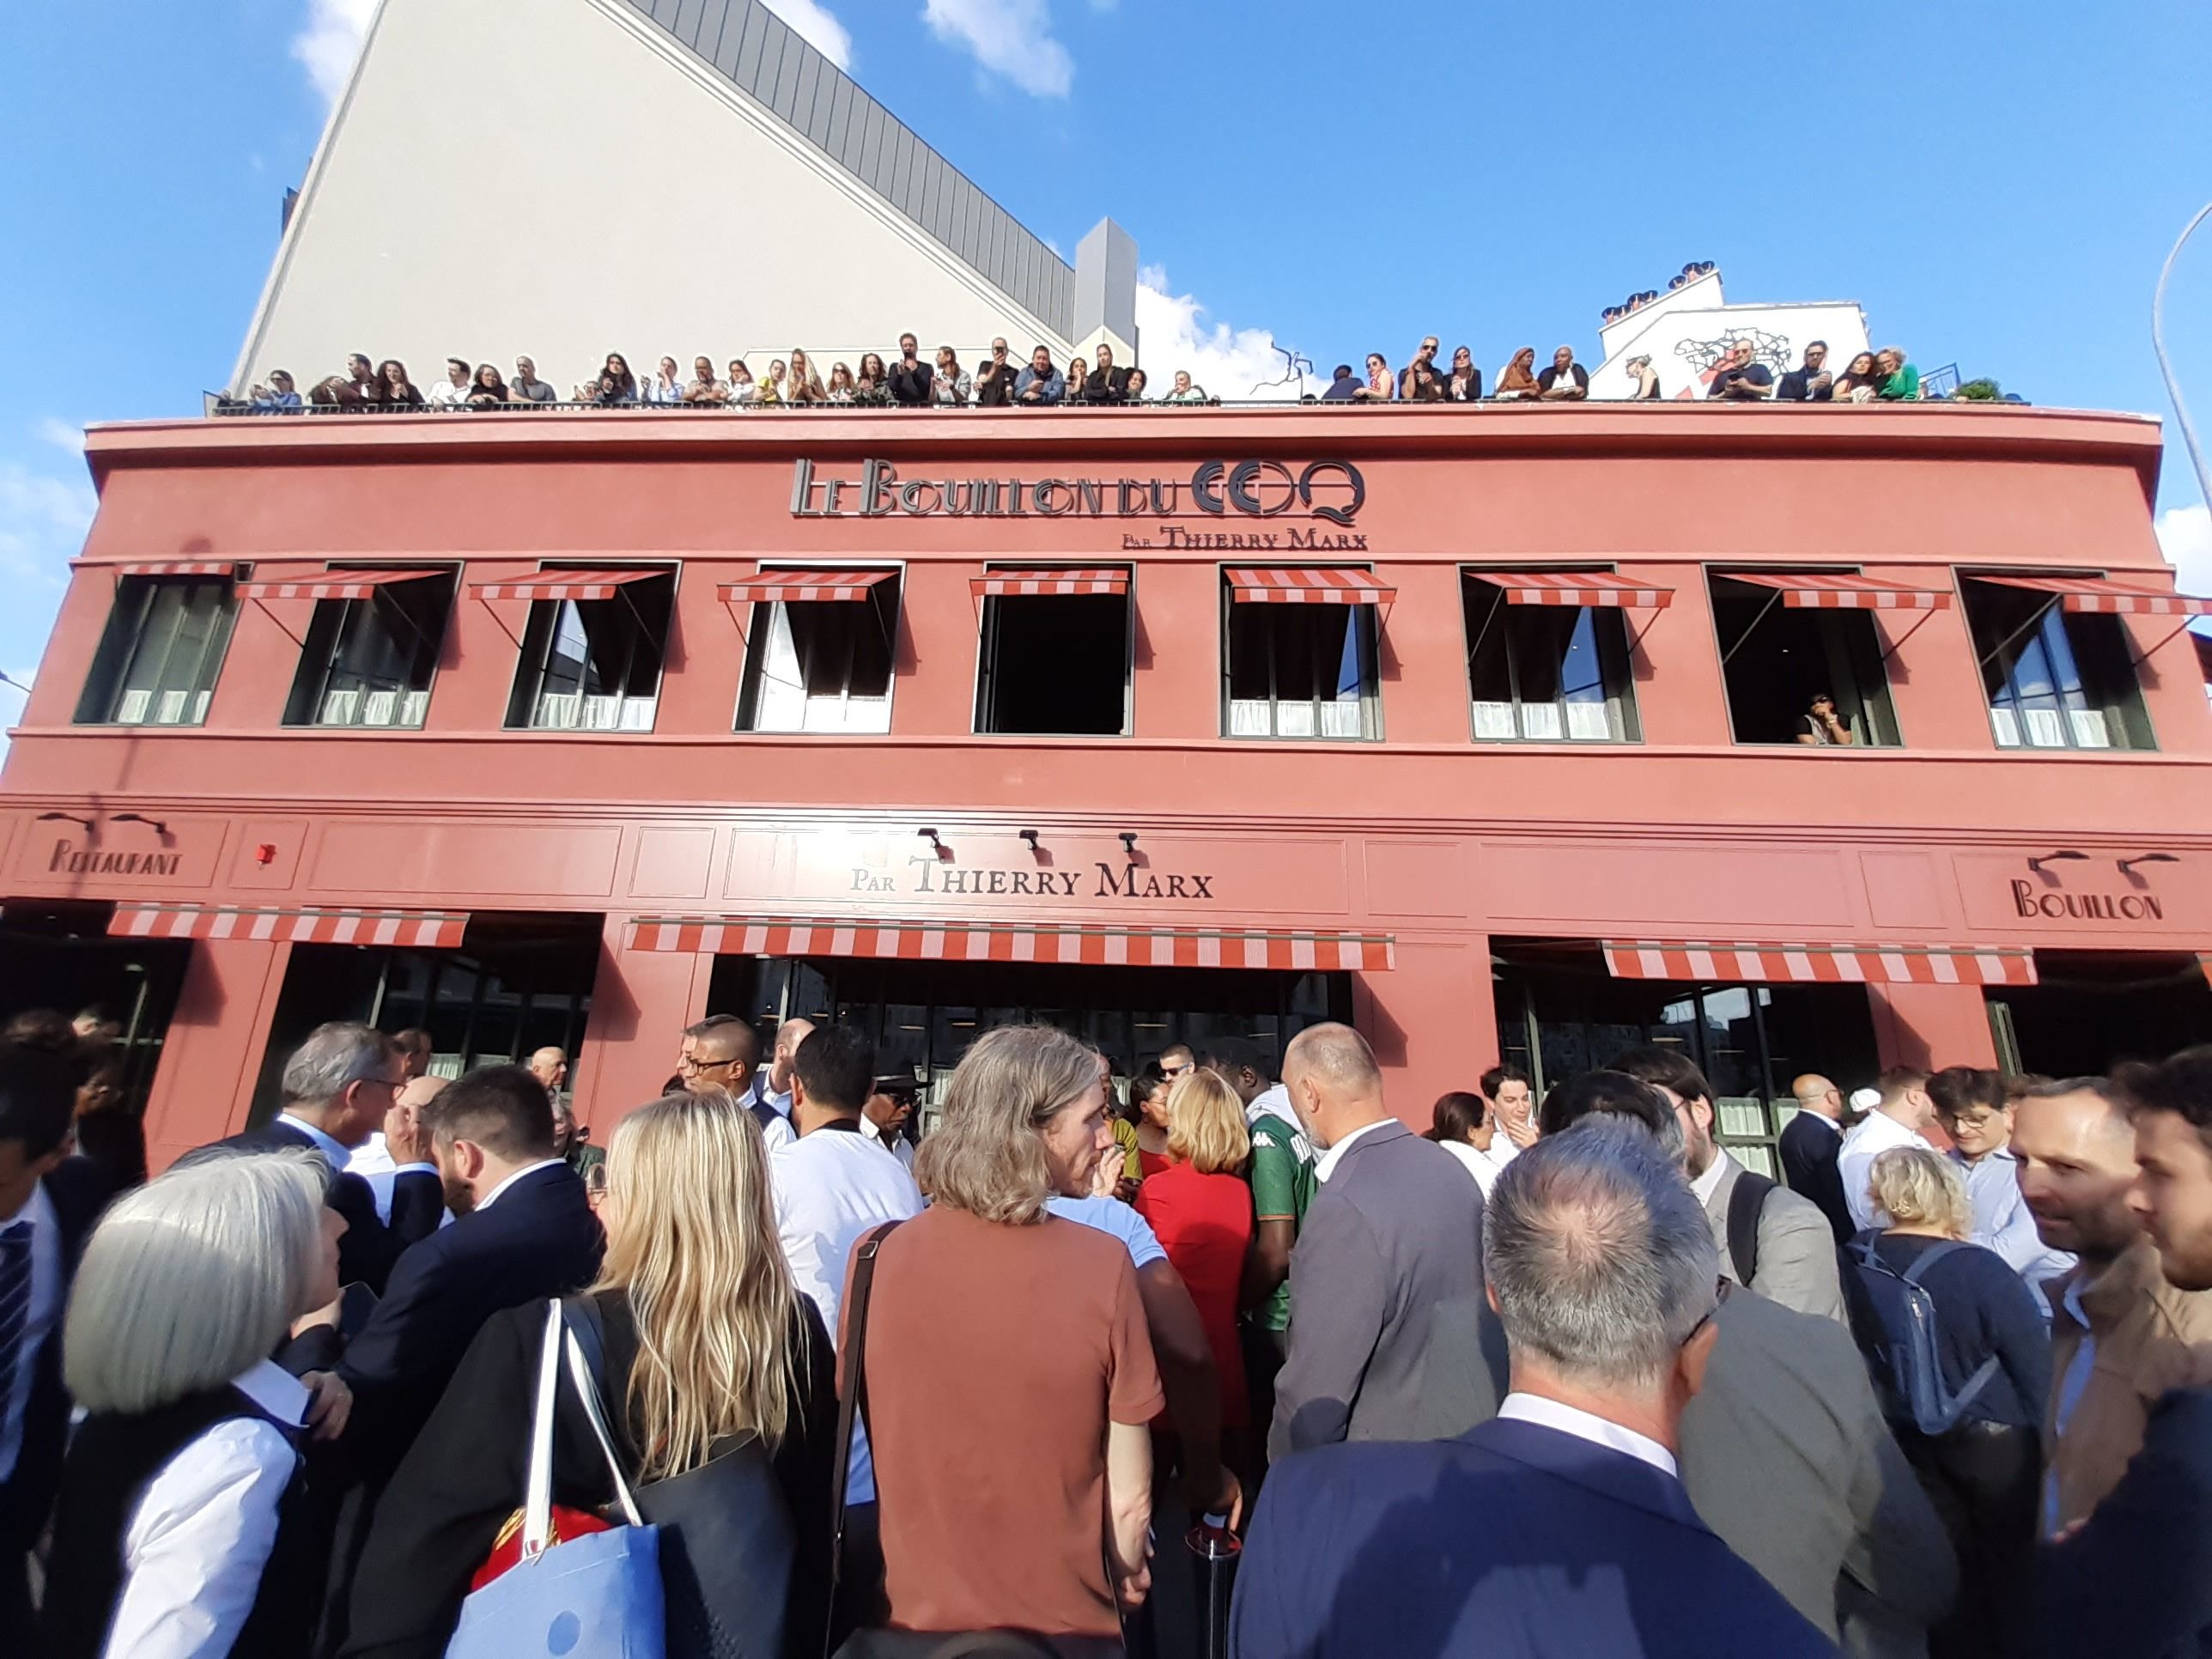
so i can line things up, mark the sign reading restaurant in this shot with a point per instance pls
(1329, 489)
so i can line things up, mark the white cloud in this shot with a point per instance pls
(1012, 38)
(42, 523)
(1175, 331)
(62, 434)
(818, 28)
(331, 40)
(2186, 535)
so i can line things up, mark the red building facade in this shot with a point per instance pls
(1478, 727)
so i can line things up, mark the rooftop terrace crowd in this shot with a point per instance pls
(907, 379)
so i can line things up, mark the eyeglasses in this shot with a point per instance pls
(693, 1063)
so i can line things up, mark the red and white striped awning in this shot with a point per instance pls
(565, 583)
(1025, 581)
(1830, 590)
(1306, 584)
(1820, 965)
(2113, 599)
(177, 568)
(429, 929)
(331, 584)
(792, 586)
(1596, 588)
(968, 941)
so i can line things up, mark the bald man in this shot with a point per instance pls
(782, 1064)
(550, 1065)
(1396, 1228)
(1810, 1143)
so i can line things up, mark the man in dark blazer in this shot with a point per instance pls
(1560, 1527)
(341, 1085)
(1396, 1228)
(48, 1202)
(523, 1230)
(1810, 1143)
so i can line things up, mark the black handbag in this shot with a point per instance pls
(727, 1539)
(909, 1644)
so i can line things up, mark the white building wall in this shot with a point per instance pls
(558, 179)
(1684, 332)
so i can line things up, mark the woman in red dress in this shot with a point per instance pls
(1201, 1211)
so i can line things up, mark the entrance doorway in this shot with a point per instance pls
(59, 958)
(2090, 1010)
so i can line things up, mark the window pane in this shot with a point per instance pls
(597, 661)
(168, 636)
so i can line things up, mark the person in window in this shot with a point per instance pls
(1901, 381)
(994, 379)
(1039, 385)
(1566, 381)
(703, 388)
(1740, 378)
(1810, 382)
(667, 387)
(454, 389)
(841, 389)
(527, 388)
(1183, 389)
(359, 387)
(743, 388)
(278, 394)
(1381, 385)
(1344, 388)
(1104, 383)
(911, 378)
(1646, 379)
(772, 389)
(804, 386)
(486, 388)
(1517, 380)
(949, 386)
(616, 367)
(1821, 726)
(1464, 384)
(1859, 383)
(1984, 1475)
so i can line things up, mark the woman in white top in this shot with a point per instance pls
(666, 387)
(743, 390)
(1461, 1126)
(841, 389)
(1184, 392)
(950, 384)
(167, 1534)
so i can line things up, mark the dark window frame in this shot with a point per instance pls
(882, 602)
(2106, 677)
(1611, 641)
(335, 628)
(1857, 670)
(1366, 625)
(128, 618)
(543, 632)
(991, 618)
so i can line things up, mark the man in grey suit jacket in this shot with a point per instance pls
(1784, 1452)
(1790, 1256)
(1395, 1229)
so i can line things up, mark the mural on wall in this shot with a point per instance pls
(1702, 355)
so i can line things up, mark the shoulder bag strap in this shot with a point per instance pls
(853, 1397)
(538, 1487)
(587, 1390)
(1746, 1202)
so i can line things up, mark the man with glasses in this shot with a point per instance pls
(994, 379)
(340, 1086)
(1811, 384)
(722, 1052)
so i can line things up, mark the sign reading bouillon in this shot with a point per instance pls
(1329, 489)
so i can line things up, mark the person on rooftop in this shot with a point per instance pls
(1183, 390)
(1382, 385)
(874, 383)
(804, 386)
(1900, 381)
(1518, 380)
(772, 389)
(1860, 382)
(279, 394)
(993, 381)
(1810, 382)
(358, 387)
(1464, 384)
(1646, 379)
(704, 388)
(455, 387)
(487, 389)
(1421, 381)
(1740, 378)
(527, 388)
(1344, 388)
(1105, 384)
(667, 387)
(842, 388)
(743, 388)
(1566, 381)
(1040, 384)
(949, 384)
(625, 383)
(399, 392)
(1134, 391)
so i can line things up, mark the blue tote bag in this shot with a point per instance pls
(594, 1597)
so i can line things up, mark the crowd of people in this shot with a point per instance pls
(909, 380)
(1561, 1376)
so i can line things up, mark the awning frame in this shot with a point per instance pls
(642, 573)
(1940, 601)
(1481, 574)
(1386, 595)
(292, 924)
(2016, 963)
(2059, 596)
(378, 579)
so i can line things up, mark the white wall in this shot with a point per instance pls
(1683, 339)
(557, 178)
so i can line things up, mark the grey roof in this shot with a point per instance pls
(764, 57)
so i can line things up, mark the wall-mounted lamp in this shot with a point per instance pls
(156, 824)
(930, 836)
(2127, 866)
(2063, 855)
(1030, 836)
(66, 817)
(1129, 844)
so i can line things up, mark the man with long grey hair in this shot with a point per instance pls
(1559, 1527)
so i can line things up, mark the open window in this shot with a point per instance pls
(1298, 655)
(2057, 675)
(592, 652)
(1547, 656)
(371, 648)
(1054, 654)
(819, 654)
(162, 648)
(1784, 643)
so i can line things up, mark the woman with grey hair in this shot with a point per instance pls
(1007, 1374)
(176, 1532)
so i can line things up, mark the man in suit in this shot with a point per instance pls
(1784, 1453)
(48, 1201)
(340, 1086)
(1396, 1228)
(1560, 1527)
(1772, 1240)
(1810, 1143)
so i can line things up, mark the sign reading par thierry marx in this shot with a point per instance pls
(1224, 491)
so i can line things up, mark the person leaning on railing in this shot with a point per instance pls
(1183, 390)
(487, 390)
(703, 389)
(1518, 378)
(1901, 381)
(278, 397)
(804, 386)
(949, 386)
(1646, 379)
(1464, 384)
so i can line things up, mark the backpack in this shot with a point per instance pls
(1907, 1365)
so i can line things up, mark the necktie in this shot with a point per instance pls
(14, 1301)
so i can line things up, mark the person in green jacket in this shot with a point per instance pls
(1901, 381)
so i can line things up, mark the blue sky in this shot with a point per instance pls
(1995, 184)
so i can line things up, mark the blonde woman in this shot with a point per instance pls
(714, 1371)
(1201, 1212)
(172, 1516)
(841, 388)
(1009, 1374)
(1984, 1475)
(804, 385)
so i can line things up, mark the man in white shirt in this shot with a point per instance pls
(1901, 1112)
(774, 1087)
(833, 1185)
(454, 388)
(373, 1160)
